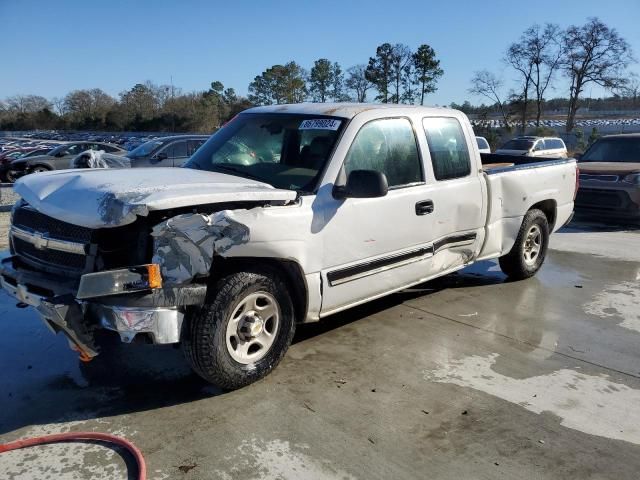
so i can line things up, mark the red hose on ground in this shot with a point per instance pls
(70, 436)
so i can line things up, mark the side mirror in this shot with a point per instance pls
(363, 184)
(161, 156)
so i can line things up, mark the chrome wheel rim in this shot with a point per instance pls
(252, 327)
(532, 245)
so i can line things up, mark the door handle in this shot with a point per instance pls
(424, 207)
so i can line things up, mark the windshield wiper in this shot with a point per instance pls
(239, 172)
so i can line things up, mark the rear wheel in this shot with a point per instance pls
(243, 330)
(530, 248)
(40, 169)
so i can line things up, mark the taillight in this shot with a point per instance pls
(575, 194)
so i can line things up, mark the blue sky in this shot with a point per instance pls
(52, 47)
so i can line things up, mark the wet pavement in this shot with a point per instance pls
(467, 376)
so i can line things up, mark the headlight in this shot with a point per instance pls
(633, 178)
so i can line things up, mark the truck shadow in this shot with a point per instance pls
(135, 378)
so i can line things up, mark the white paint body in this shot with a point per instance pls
(481, 213)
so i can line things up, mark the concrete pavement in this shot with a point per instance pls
(467, 376)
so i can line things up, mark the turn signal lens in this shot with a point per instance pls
(154, 276)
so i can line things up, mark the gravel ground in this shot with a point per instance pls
(4, 230)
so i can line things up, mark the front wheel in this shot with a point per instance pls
(530, 248)
(243, 330)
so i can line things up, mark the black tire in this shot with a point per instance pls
(514, 264)
(40, 169)
(205, 332)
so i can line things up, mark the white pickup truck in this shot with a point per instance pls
(288, 214)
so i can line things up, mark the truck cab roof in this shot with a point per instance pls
(344, 110)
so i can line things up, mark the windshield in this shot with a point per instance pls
(144, 149)
(283, 150)
(623, 150)
(517, 144)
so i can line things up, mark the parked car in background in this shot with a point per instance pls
(57, 159)
(171, 151)
(9, 156)
(483, 145)
(534, 147)
(610, 178)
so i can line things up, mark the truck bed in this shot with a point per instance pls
(494, 163)
(515, 184)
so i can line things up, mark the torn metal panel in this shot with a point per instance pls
(184, 245)
(94, 198)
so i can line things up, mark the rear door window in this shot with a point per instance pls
(447, 147)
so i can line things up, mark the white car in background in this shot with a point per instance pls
(483, 145)
(534, 147)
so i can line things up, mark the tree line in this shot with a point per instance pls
(395, 74)
(584, 55)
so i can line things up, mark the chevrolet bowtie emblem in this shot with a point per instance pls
(39, 241)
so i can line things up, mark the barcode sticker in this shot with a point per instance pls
(320, 124)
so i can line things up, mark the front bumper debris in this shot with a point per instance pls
(163, 325)
(158, 314)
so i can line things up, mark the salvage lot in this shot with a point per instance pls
(467, 376)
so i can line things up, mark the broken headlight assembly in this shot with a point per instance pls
(123, 280)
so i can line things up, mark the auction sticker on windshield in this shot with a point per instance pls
(320, 124)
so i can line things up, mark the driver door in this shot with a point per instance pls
(375, 245)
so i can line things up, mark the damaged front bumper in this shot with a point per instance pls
(157, 314)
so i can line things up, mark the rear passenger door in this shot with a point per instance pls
(457, 191)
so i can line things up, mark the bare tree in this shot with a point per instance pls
(486, 84)
(27, 103)
(535, 56)
(594, 53)
(518, 56)
(631, 89)
(547, 53)
(357, 82)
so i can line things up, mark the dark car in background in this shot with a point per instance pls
(610, 178)
(8, 157)
(171, 151)
(57, 159)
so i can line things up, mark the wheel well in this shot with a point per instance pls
(548, 207)
(290, 272)
(48, 167)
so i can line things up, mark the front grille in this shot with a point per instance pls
(49, 257)
(35, 221)
(601, 198)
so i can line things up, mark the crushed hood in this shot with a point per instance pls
(98, 198)
(617, 168)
